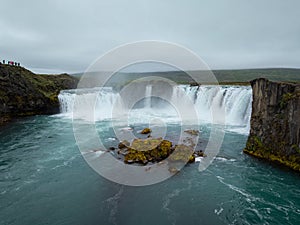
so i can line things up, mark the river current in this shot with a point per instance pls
(45, 180)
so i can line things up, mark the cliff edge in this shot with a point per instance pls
(275, 122)
(24, 93)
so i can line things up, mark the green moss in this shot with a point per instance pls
(145, 144)
(255, 144)
(285, 99)
(256, 148)
(182, 153)
(296, 148)
(143, 151)
(165, 148)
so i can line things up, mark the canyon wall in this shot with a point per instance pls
(275, 122)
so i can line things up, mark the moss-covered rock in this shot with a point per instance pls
(143, 151)
(182, 153)
(123, 144)
(146, 131)
(148, 150)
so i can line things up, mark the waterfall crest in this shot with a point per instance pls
(236, 100)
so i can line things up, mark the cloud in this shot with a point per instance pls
(66, 36)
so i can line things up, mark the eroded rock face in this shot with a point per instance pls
(275, 122)
(24, 93)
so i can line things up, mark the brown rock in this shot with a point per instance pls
(146, 131)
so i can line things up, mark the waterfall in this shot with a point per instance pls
(98, 100)
(233, 101)
(148, 96)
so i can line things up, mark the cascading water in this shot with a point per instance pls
(233, 101)
(98, 100)
(148, 96)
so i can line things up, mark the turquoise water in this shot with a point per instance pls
(45, 180)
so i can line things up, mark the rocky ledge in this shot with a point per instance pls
(275, 122)
(24, 93)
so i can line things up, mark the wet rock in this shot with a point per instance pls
(123, 144)
(145, 161)
(135, 156)
(123, 151)
(173, 170)
(129, 161)
(143, 151)
(192, 132)
(200, 153)
(192, 159)
(146, 131)
(182, 153)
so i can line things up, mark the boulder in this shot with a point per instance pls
(146, 131)
(123, 144)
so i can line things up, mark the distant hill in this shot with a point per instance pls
(246, 75)
(223, 76)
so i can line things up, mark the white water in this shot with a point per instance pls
(233, 101)
(148, 97)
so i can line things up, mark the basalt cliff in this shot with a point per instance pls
(275, 122)
(23, 93)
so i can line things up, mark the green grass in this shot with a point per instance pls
(226, 77)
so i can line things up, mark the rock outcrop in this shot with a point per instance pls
(24, 93)
(154, 150)
(275, 122)
(142, 151)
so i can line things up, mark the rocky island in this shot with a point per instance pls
(23, 93)
(275, 122)
(142, 151)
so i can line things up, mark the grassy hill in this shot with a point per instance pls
(242, 76)
(24, 93)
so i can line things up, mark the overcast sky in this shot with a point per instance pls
(68, 35)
